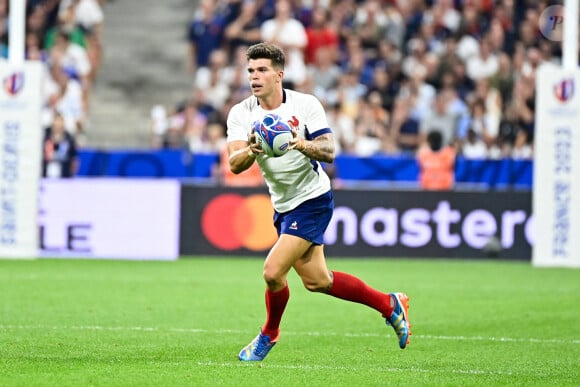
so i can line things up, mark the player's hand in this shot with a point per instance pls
(255, 146)
(297, 142)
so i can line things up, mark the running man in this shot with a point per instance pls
(302, 198)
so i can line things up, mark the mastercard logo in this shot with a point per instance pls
(232, 221)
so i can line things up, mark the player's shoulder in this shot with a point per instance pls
(249, 103)
(301, 99)
(244, 106)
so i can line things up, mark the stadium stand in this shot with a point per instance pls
(397, 69)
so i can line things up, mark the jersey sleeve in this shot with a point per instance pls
(238, 124)
(316, 121)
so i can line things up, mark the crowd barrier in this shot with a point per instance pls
(489, 174)
(164, 219)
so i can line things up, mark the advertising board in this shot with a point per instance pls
(383, 224)
(109, 218)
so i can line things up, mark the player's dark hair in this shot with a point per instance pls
(267, 51)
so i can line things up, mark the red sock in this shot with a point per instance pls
(275, 306)
(350, 288)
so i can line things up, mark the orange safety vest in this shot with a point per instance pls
(436, 169)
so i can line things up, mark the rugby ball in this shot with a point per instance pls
(273, 134)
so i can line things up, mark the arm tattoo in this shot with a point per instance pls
(320, 149)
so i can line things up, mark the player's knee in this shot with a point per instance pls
(273, 278)
(318, 286)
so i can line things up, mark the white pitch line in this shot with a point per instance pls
(322, 334)
(311, 367)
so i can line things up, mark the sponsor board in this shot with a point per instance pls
(20, 155)
(385, 224)
(556, 190)
(109, 218)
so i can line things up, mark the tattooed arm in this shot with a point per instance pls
(320, 149)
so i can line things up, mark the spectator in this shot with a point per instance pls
(239, 73)
(66, 97)
(472, 21)
(441, 120)
(66, 25)
(33, 48)
(174, 137)
(370, 130)
(324, 73)
(503, 80)
(508, 129)
(290, 35)
(60, 159)
(415, 61)
(481, 123)
(385, 86)
(421, 93)
(474, 147)
(342, 127)
(88, 16)
(214, 79)
(348, 93)
(524, 104)
(443, 15)
(36, 20)
(496, 37)
(388, 58)
(209, 138)
(395, 31)
(522, 148)
(159, 124)
(483, 65)
(532, 62)
(74, 60)
(215, 137)
(492, 102)
(359, 64)
(463, 83)
(370, 25)
(321, 35)
(205, 34)
(403, 126)
(245, 29)
(195, 124)
(436, 163)
(457, 107)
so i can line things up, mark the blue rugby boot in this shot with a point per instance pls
(257, 349)
(399, 319)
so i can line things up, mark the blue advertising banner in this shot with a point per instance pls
(499, 174)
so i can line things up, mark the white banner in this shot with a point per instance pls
(20, 158)
(556, 192)
(109, 218)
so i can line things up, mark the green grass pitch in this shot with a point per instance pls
(122, 323)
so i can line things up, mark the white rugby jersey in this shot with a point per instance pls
(293, 177)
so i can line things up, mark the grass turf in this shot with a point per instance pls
(101, 323)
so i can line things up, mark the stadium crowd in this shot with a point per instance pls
(388, 72)
(65, 36)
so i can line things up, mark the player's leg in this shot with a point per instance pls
(287, 250)
(315, 276)
(281, 258)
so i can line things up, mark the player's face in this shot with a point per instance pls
(264, 79)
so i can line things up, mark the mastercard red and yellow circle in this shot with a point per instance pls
(232, 221)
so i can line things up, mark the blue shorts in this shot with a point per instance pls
(307, 221)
